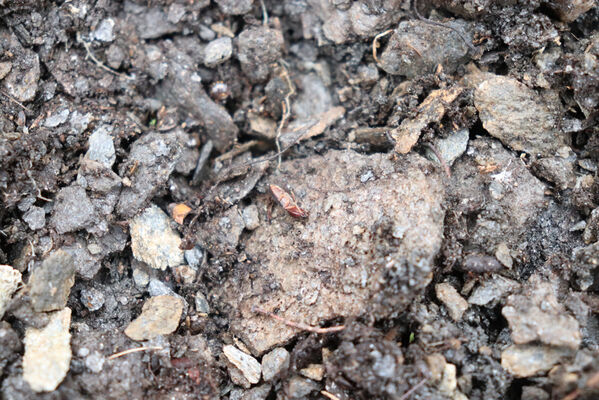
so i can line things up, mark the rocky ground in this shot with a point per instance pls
(434, 229)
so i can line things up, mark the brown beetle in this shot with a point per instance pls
(287, 202)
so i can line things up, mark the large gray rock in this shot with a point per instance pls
(73, 210)
(50, 283)
(386, 231)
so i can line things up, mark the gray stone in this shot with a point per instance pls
(153, 24)
(518, 116)
(160, 315)
(101, 147)
(22, 80)
(48, 353)
(202, 305)
(218, 51)
(246, 364)
(221, 234)
(449, 296)
(72, 210)
(299, 388)
(524, 361)
(87, 265)
(141, 277)
(251, 217)
(536, 315)
(258, 393)
(275, 362)
(159, 288)
(451, 147)
(194, 256)
(50, 283)
(492, 290)
(258, 47)
(104, 31)
(153, 241)
(10, 279)
(95, 362)
(235, 7)
(416, 48)
(92, 299)
(35, 217)
(557, 170)
(57, 118)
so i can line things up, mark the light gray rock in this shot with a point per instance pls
(104, 31)
(22, 80)
(101, 147)
(73, 210)
(275, 362)
(492, 290)
(235, 7)
(92, 299)
(218, 51)
(48, 353)
(57, 118)
(153, 241)
(451, 147)
(10, 279)
(251, 217)
(35, 217)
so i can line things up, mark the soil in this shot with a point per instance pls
(247, 199)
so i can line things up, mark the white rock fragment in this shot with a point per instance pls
(104, 31)
(153, 241)
(9, 281)
(48, 353)
(101, 147)
(248, 365)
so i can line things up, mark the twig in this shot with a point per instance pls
(135, 350)
(375, 43)
(298, 325)
(428, 21)
(329, 395)
(99, 63)
(17, 102)
(264, 13)
(415, 388)
(441, 159)
(286, 108)
(235, 151)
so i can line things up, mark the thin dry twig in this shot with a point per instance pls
(375, 43)
(17, 102)
(286, 105)
(441, 159)
(428, 21)
(135, 350)
(264, 13)
(415, 388)
(237, 150)
(329, 395)
(99, 63)
(298, 325)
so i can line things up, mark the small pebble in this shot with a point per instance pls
(251, 217)
(248, 365)
(92, 299)
(218, 51)
(274, 362)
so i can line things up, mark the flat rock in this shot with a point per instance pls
(160, 315)
(153, 241)
(72, 210)
(536, 315)
(101, 147)
(152, 159)
(417, 47)
(48, 353)
(235, 7)
(35, 217)
(529, 360)
(451, 147)
(449, 296)
(22, 80)
(275, 362)
(518, 116)
(492, 290)
(397, 211)
(248, 365)
(10, 279)
(50, 283)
